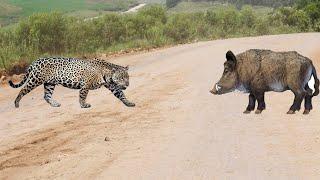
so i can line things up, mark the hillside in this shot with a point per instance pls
(13, 10)
(189, 6)
(239, 3)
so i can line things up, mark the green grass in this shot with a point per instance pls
(33, 6)
(188, 7)
(113, 5)
(195, 6)
(13, 10)
(152, 1)
(6, 8)
(85, 13)
(8, 12)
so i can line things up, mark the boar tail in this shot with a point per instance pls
(316, 81)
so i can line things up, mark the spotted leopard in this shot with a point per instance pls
(75, 74)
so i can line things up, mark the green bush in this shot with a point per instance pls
(179, 28)
(228, 20)
(211, 17)
(50, 34)
(156, 12)
(82, 37)
(293, 17)
(262, 26)
(156, 36)
(248, 17)
(43, 32)
(312, 9)
(113, 29)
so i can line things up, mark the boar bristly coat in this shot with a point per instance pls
(258, 71)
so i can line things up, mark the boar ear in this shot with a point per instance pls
(231, 57)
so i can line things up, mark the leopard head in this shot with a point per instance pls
(120, 77)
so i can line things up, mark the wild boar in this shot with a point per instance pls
(258, 71)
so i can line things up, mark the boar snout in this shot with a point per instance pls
(216, 89)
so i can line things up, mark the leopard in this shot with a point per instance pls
(74, 73)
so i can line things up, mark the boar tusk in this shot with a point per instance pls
(218, 87)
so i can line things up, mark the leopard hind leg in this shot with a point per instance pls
(31, 84)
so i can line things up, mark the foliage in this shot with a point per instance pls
(179, 28)
(13, 10)
(43, 32)
(240, 3)
(55, 34)
(312, 9)
(247, 16)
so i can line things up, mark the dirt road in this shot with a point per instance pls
(178, 130)
(135, 8)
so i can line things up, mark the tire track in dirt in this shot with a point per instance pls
(44, 143)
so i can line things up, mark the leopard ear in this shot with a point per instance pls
(126, 68)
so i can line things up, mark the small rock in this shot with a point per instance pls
(106, 138)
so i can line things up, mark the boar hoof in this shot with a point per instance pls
(290, 112)
(305, 112)
(246, 112)
(258, 111)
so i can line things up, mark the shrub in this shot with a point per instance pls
(228, 19)
(156, 12)
(44, 32)
(47, 34)
(81, 37)
(247, 16)
(262, 26)
(179, 28)
(156, 36)
(292, 17)
(211, 17)
(312, 9)
(113, 29)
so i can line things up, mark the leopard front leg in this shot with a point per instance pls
(120, 95)
(82, 98)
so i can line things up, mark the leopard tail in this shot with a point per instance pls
(25, 78)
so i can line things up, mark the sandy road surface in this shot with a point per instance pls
(177, 131)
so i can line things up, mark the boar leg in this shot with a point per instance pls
(261, 103)
(308, 100)
(298, 97)
(307, 104)
(251, 105)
